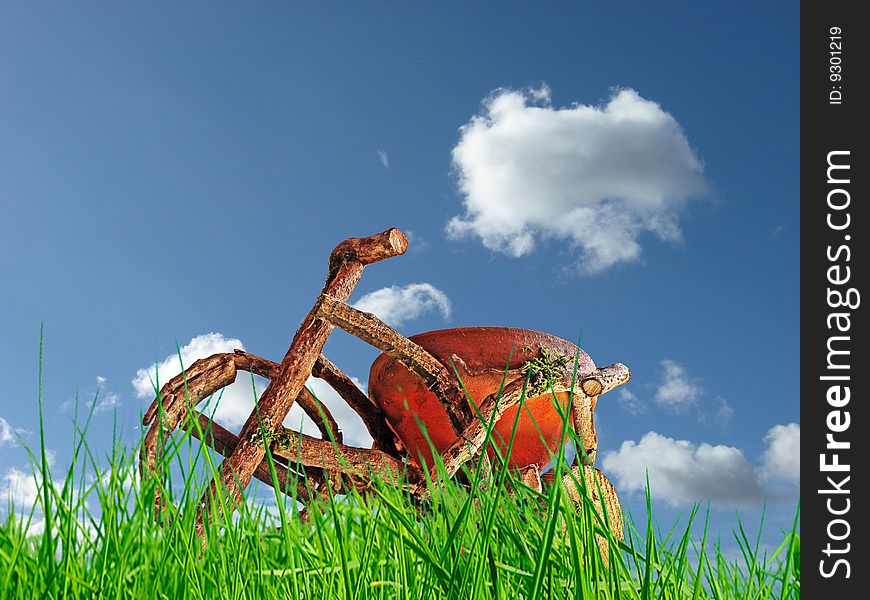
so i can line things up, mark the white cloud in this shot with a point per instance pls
(19, 488)
(676, 391)
(234, 403)
(542, 94)
(384, 158)
(782, 460)
(8, 433)
(23, 489)
(105, 400)
(723, 414)
(631, 403)
(681, 472)
(37, 527)
(595, 176)
(397, 305)
(22, 492)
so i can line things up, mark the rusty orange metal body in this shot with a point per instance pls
(484, 353)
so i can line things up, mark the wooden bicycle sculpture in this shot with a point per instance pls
(413, 382)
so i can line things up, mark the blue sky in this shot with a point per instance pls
(630, 172)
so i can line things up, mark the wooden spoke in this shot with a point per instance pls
(225, 442)
(311, 452)
(345, 269)
(370, 413)
(371, 329)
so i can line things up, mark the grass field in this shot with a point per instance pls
(92, 533)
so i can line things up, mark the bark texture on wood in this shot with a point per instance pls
(369, 328)
(180, 394)
(605, 379)
(225, 442)
(324, 420)
(371, 414)
(573, 482)
(493, 407)
(202, 378)
(346, 266)
(368, 250)
(531, 478)
(205, 377)
(245, 361)
(585, 399)
(314, 408)
(584, 424)
(359, 463)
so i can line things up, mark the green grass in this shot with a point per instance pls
(494, 540)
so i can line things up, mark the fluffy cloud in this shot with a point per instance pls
(21, 491)
(19, 488)
(397, 305)
(597, 177)
(676, 391)
(231, 406)
(782, 460)
(8, 433)
(683, 473)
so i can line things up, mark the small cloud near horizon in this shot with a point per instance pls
(8, 433)
(102, 399)
(782, 459)
(683, 473)
(105, 400)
